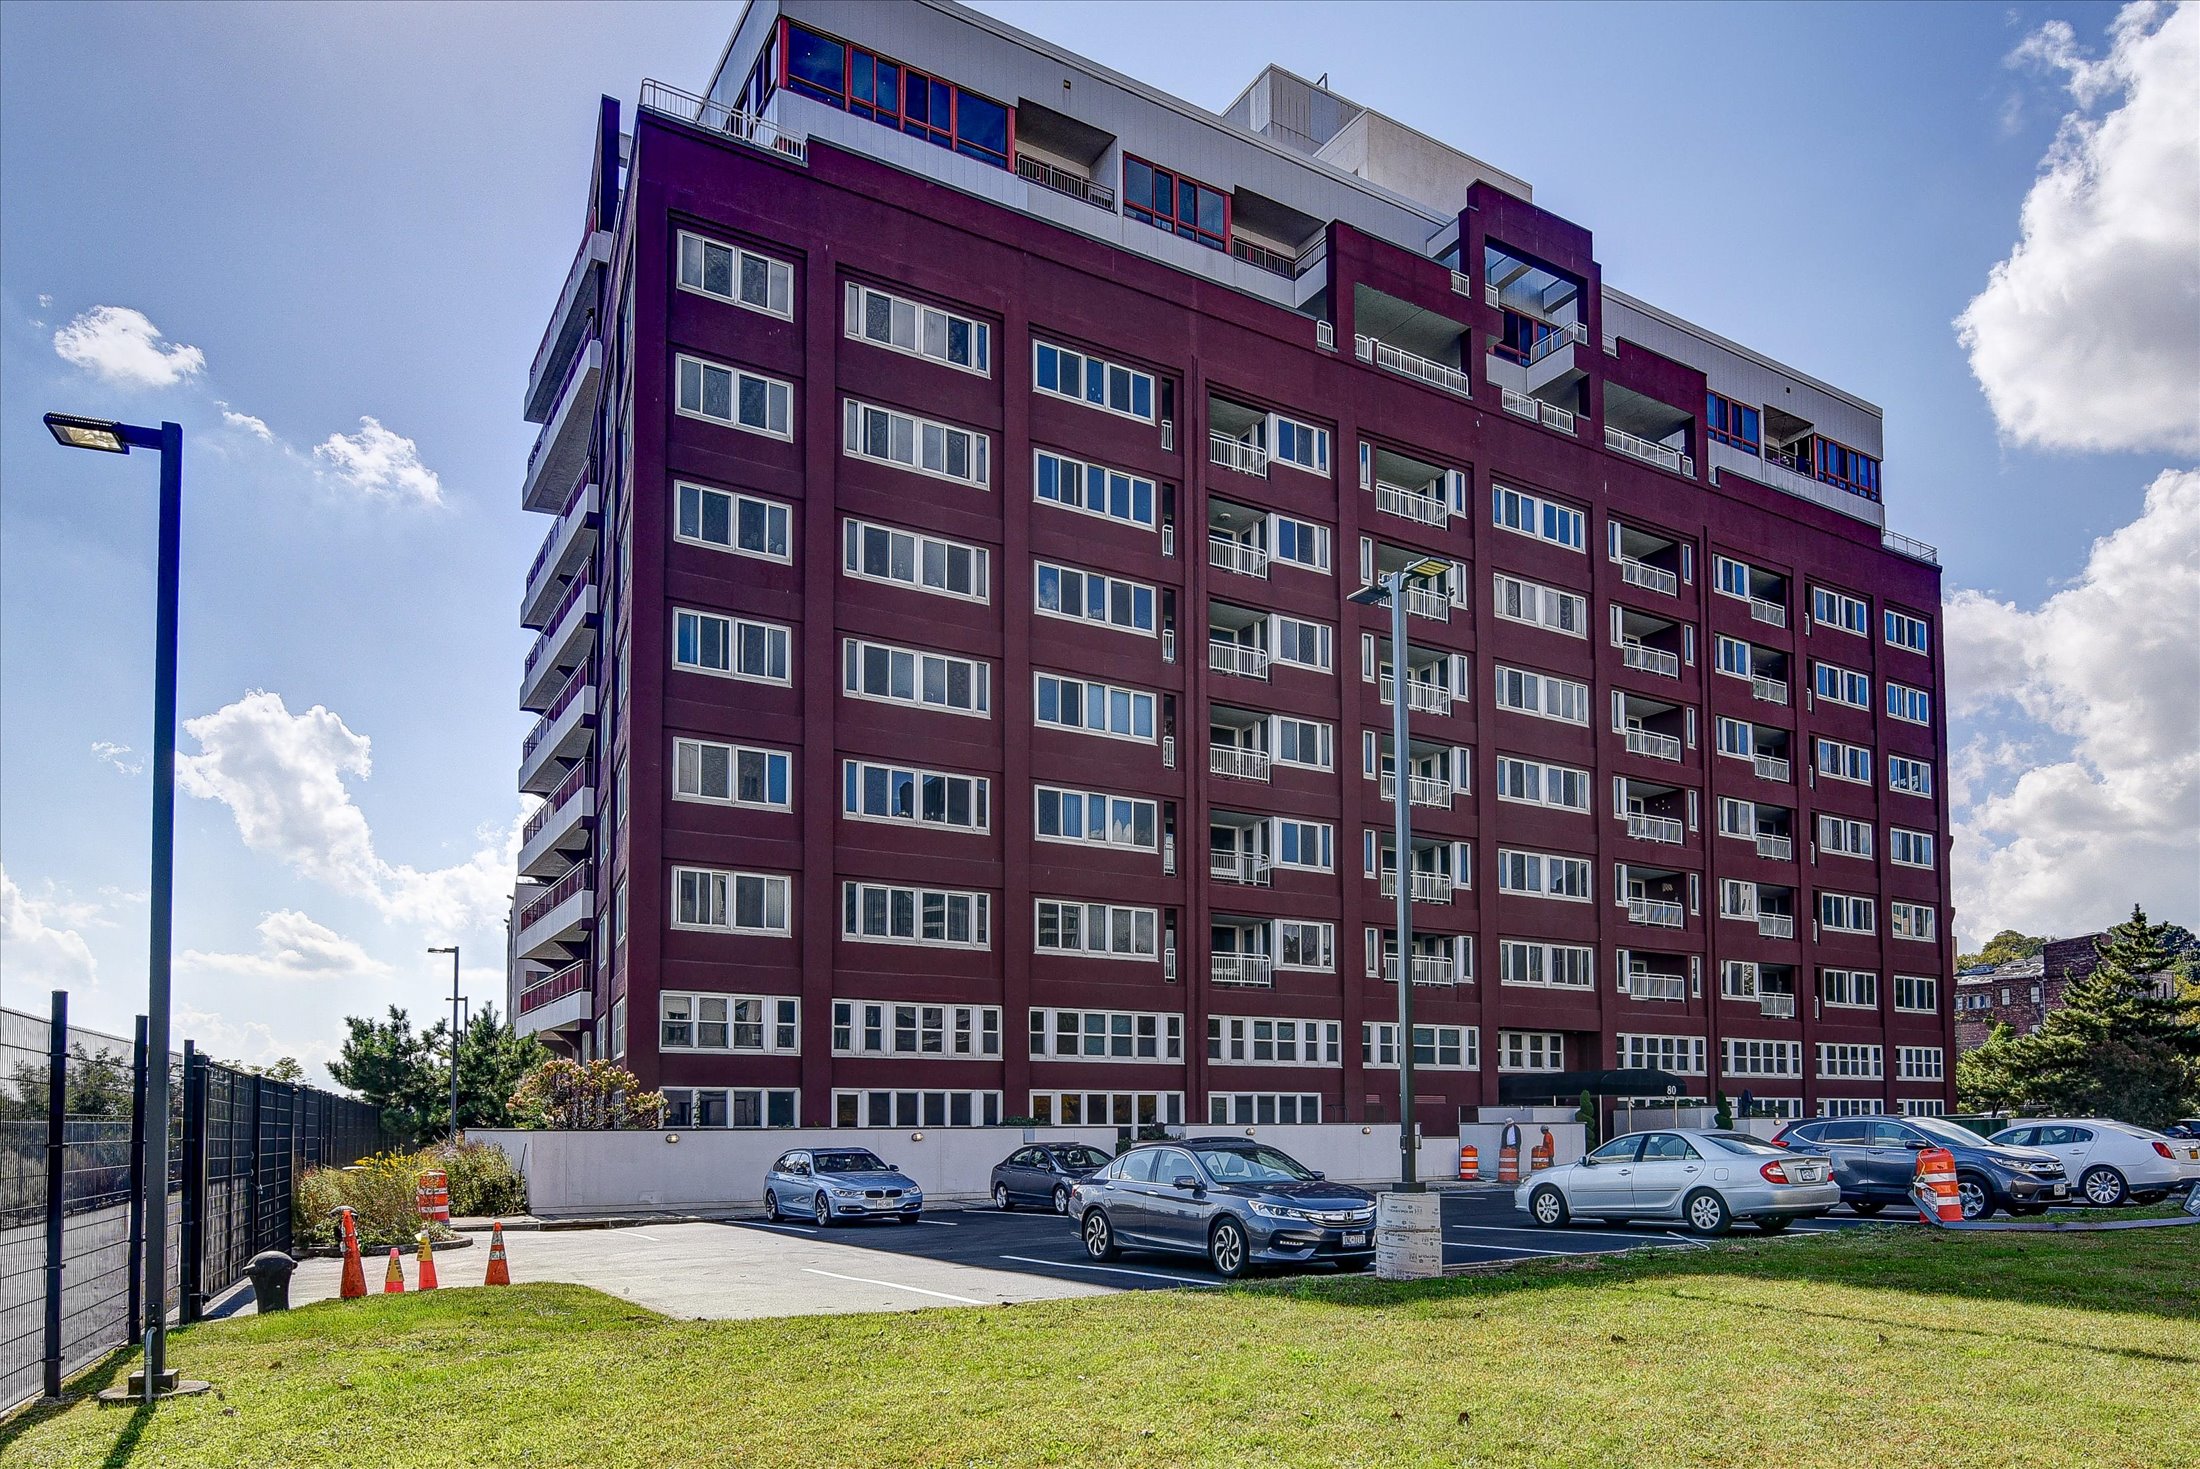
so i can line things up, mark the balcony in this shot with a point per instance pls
(1656, 746)
(1236, 454)
(1908, 546)
(1768, 690)
(569, 322)
(1771, 614)
(1426, 601)
(1425, 968)
(556, 920)
(1776, 925)
(1238, 764)
(1246, 869)
(1649, 578)
(1673, 461)
(1061, 181)
(565, 550)
(1772, 767)
(559, 1000)
(1428, 887)
(1776, 1007)
(743, 127)
(1644, 984)
(1412, 504)
(1656, 913)
(1646, 659)
(563, 646)
(1421, 790)
(1648, 828)
(557, 833)
(1237, 659)
(1776, 848)
(561, 449)
(1254, 970)
(1535, 410)
(1226, 554)
(1413, 365)
(1428, 698)
(561, 734)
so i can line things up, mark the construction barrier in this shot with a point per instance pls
(427, 1262)
(355, 1272)
(1539, 1158)
(1508, 1155)
(1934, 1187)
(1470, 1161)
(433, 1197)
(499, 1272)
(393, 1279)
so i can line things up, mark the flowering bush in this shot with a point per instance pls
(593, 1096)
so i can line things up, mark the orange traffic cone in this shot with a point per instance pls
(355, 1273)
(393, 1279)
(499, 1272)
(427, 1262)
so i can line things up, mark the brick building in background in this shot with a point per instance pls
(2020, 994)
(959, 457)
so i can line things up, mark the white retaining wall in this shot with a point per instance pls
(1488, 1137)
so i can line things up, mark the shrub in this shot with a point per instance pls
(590, 1096)
(482, 1178)
(382, 1193)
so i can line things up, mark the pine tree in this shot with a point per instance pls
(1987, 1075)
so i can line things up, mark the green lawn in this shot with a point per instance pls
(1875, 1346)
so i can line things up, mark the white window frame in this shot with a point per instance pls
(1542, 684)
(1851, 906)
(1917, 994)
(1096, 920)
(735, 626)
(856, 770)
(734, 753)
(1326, 739)
(1848, 760)
(1086, 800)
(1842, 1060)
(1274, 1040)
(1910, 705)
(1540, 957)
(1086, 470)
(778, 276)
(1322, 635)
(1682, 1055)
(1910, 848)
(1838, 685)
(1917, 782)
(1544, 775)
(773, 509)
(920, 315)
(1842, 605)
(1320, 835)
(928, 1106)
(1544, 871)
(1915, 633)
(702, 365)
(1844, 836)
(1107, 581)
(1325, 939)
(964, 1031)
(1086, 360)
(1532, 604)
(855, 443)
(761, 1097)
(854, 895)
(727, 900)
(1379, 1046)
(1085, 686)
(1920, 1063)
(1530, 507)
(1917, 922)
(1324, 544)
(778, 1022)
(852, 650)
(1531, 1050)
(854, 532)
(1119, 1037)
(1263, 1109)
(1754, 1056)
(1848, 989)
(1321, 443)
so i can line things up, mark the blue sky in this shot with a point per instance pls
(334, 214)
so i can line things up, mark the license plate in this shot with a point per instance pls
(2060, 1189)
(1355, 1239)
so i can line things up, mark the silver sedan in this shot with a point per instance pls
(1703, 1178)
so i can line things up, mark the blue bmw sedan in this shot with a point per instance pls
(1236, 1201)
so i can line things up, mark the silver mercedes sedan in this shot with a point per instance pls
(1703, 1178)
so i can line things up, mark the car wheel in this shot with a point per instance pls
(1099, 1236)
(1774, 1224)
(1061, 1198)
(2104, 1186)
(771, 1206)
(1226, 1249)
(1866, 1207)
(1706, 1212)
(821, 1209)
(2150, 1196)
(1547, 1207)
(1000, 1198)
(1975, 1197)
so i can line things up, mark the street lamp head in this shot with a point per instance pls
(72, 432)
(1429, 566)
(451, 950)
(1376, 595)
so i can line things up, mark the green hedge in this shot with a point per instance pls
(381, 1191)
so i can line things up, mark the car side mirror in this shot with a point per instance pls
(1916, 1144)
(1186, 1181)
(1319, 1175)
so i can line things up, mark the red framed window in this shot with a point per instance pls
(1846, 469)
(1169, 201)
(1524, 338)
(867, 84)
(1728, 422)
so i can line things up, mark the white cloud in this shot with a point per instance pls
(293, 947)
(2088, 335)
(122, 346)
(380, 464)
(2109, 669)
(116, 755)
(246, 423)
(283, 777)
(39, 950)
(45, 302)
(253, 1043)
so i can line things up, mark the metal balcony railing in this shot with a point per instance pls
(1061, 181)
(1412, 364)
(1671, 460)
(1651, 578)
(1656, 746)
(555, 625)
(1647, 659)
(1421, 790)
(1770, 613)
(742, 126)
(582, 678)
(1642, 984)
(1570, 334)
(1776, 1006)
(1768, 690)
(1425, 968)
(1656, 828)
(1426, 601)
(1776, 925)
(570, 980)
(1656, 912)
(1249, 869)
(1412, 504)
(1460, 284)
(1427, 697)
(1550, 415)
(1908, 546)
(1428, 887)
(1226, 554)
(574, 881)
(1235, 454)
(1773, 767)
(1236, 763)
(1236, 658)
(1778, 848)
(576, 780)
(1241, 969)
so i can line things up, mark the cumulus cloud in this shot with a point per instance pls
(380, 464)
(246, 423)
(40, 948)
(284, 776)
(253, 1043)
(292, 947)
(122, 346)
(2088, 335)
(2108, 671)
(119, 756)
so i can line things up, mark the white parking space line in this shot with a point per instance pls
(1114, 1270)
(1509, 1249)
(942, 1223)
(894, 1285)
(1586, 1234)
(789, 1228)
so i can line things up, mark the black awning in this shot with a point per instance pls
(1521, 1089)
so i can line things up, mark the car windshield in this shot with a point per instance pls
(1079, 1157)
(1251, 1164)
(1947, 1134)
(1739, 1142)
(857, 1161)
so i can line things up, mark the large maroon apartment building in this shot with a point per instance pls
(958, 458)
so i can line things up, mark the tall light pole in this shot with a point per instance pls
(453, 952)
(110, 437)
(1390, 587)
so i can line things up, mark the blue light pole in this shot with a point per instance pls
(110, 437)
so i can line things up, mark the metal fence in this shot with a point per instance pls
(72, 1159)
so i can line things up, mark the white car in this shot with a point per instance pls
(1705, 1178)
(2110, 1162)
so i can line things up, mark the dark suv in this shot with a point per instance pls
(1875, 1159)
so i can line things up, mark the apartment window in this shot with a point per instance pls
(1842, 685)
(1537, 783)
(1849, 1061)
(1111, 387)
(1912, 706)
(880, 913)
(1435, 1047)
(730, 521)
(907, 676)
(1908, 848)
(1541, 606)
(1841, 837)
(1544, 520)
(1738, 979)
(1848, 1106)
(1109, 493)
(1917, 1063)
(1304, 742)
(1299, 543)
(1307, 844)
(1262, 1109)
(1544, 695)
(1844, 761)
(920, 330)
(1531, 1050)
(1737, 898)
(1761, 1058)
(1262, 1041)
(1737, 737)
(735, 397)
(618, 1027)
(1105, 930)
(1845, 468)
(1301, 446)
(1099, 817)
(925, 563)
(1551, 966)
(1099, 1109)
(1737, 818)
(916, 1109)
(873, 792)
(1856, 989)
(1913, 921)
(1088, 596)
(730, 902)
(1543, 875)
(1169, 201)
(1106, 1035)
(1905, 631)
(874, 1028)
(841, 74)
(1732, 655)
(1728, 422)
(741, 1106)
(921, 445)
(1917, 992)
(1095, 708)
(1302, 945)
(732, 647)
(1841, 913)
(1924, 1107)
(1731, 577)
(731, 775)
(756, 1024)
(735, 275)
(1302, 644)
(1839, 610)
(1681, 1054)
(1909, 777)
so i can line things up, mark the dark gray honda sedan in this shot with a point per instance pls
(1236, 1201)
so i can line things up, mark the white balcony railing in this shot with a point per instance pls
(1770, 613)
(1768, 690)
(1062, 181)
(1247, 868)
(1425, 601)
(1651, 660)
(1238, 659)
(1656, 828)
(1236, 763)
(1425, 968)
(1412, 504)
(1550, 415)
(1229, 555)
(1656, 912)
(1421, 790)
(1241, 969)
(1911, 547)
(1671, 460)
(1778, 848)
(1644, 985)
(1651, 578)
(1234, 454)
(747, 127)
(1773, 767)
(1776, 925)
(1776, 1007)
(1427, 697)
(1428, 887)
(1656, 746)
(1412, 364)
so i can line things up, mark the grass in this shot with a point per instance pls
(1865, 1346)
